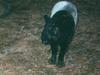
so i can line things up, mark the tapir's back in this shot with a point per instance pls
(64, 21)
(65, 6)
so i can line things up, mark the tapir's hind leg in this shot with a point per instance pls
(64, 46)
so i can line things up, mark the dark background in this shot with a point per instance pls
(21, 50)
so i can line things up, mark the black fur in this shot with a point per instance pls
(58, 32)
(6, 4)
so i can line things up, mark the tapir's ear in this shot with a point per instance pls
(46, 18)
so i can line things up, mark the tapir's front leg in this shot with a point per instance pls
(63, 50)
(54, 50)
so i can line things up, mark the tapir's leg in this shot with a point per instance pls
(63, 50)
(64, 46)
(54, 49)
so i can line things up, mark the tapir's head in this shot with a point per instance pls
(50, 31)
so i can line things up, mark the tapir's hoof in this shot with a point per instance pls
(60, 64)
(52, 61)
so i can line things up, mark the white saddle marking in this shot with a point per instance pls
(67, 6)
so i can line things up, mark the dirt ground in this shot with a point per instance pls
(22, 53)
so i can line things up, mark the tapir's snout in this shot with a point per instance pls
(44, 39)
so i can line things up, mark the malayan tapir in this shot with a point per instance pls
(59, 30)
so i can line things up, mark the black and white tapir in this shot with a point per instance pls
(59, 30)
